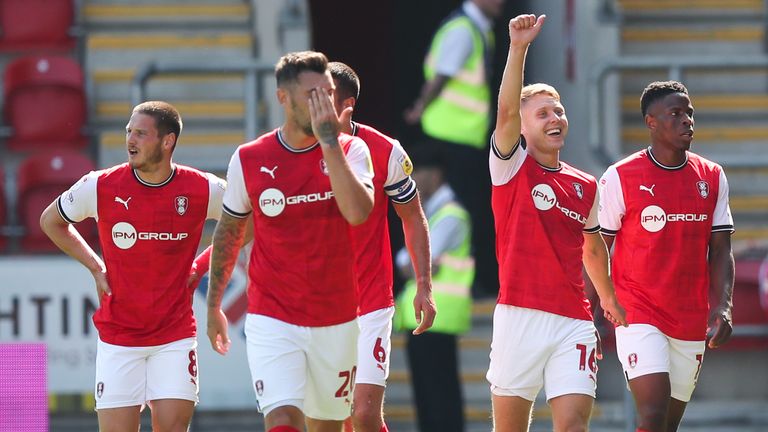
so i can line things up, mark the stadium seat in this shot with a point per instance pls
(3, 211)
(36, 25)
(45, 103)
(40, 179)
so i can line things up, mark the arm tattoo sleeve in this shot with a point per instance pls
(227, 240)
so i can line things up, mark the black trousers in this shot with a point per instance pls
(466, 171)
(434, 365)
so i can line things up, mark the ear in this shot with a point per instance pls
(282, 95)
(650, 122)
(349, 102)
(169, 140)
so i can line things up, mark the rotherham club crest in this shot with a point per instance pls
(259, 387)
(703, 188)
(579, 190)
(181, 202)
(99, 389)
(632, 360)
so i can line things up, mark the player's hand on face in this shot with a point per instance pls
(326, 125)
(425, 309)
(523, 29)
(218, 331)
(720, 328)
(614, 312)
(102, 286)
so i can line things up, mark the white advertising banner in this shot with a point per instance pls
(51, 299)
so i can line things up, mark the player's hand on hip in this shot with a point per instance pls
(523, 29)
(425, 310)
(218, 330)
(102, 286)
(720, 327)
(326, 125)
(614, 312)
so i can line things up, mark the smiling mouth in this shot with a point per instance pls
(554, 132)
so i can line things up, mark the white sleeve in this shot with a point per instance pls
(399, 185)
(359, 159)
(79, 202)
(216, 188)
(236, 201)
(612, 208)
(593, 221)
(722, 220)
(503, 168)
(454, 51)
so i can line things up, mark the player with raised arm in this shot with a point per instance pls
(546, 229)
(392, 169)
(304, 183)
(665, 211)
(150, 214)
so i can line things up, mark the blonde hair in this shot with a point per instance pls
(532, 90)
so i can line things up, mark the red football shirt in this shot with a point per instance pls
(662, 218)
(301, 269)
(373, 254)
(149, 234)
(541, 216)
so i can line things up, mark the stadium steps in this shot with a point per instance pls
(689, 39)
(122, 38)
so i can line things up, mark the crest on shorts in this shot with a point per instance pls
(99, 389)
(259, 384)
(579, 189)
(703, 188)
(181, 203)
(632, 360)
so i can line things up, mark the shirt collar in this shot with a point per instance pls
(475, 14)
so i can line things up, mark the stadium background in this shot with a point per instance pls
(73, 68)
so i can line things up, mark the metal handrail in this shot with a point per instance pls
(255, 118)
(676, 67)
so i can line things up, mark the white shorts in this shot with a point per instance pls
(643, 349)
(374, 346)
(532, 348)
(311, 368)
(130, 376)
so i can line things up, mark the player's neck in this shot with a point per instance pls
(545, 159)
(157, 174)
(347, 128)
(666, 156)
(295, 137)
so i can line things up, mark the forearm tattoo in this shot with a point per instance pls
(227, 240)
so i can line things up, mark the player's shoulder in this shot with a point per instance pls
(636, 159)
(701, 161)
(111, 172)
(577, 173)
(188, 172)
(269, 138)
(373, 136)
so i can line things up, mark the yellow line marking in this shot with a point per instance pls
(110, 75)
(747, 203)
(711, 102)
(187, 109)
(721, 134)
(163, 41)
(150, 12)
(646, 5)
(117, 140)
(671, 34)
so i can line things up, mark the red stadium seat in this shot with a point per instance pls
(45, 103)
(35, 25)
(41, 178)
